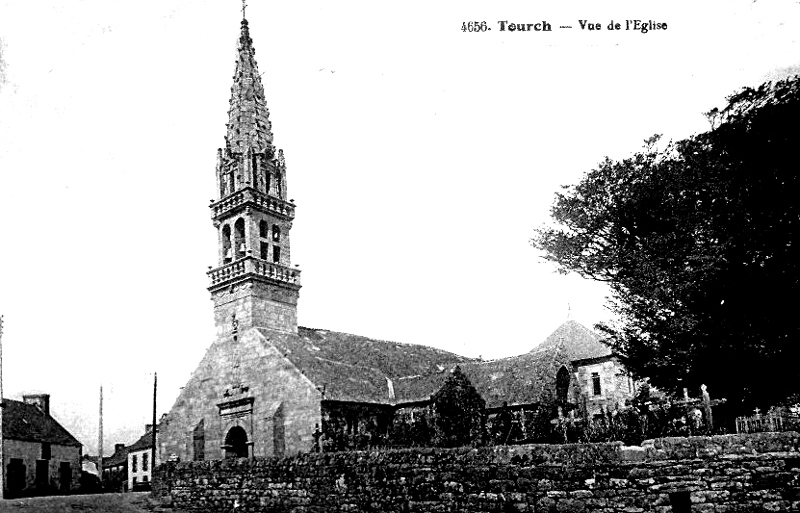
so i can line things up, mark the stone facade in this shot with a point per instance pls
(254, 304)
(29, 471)
(728, 473)
(601, 384)
(245, 382)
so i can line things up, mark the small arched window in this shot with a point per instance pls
(239, 244)
(276, 233)
(227, 256)
(263, 229)
(562, 385)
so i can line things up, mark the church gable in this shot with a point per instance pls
(243, 382)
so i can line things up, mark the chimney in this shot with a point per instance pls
(40, 400)
(118, 448)
(148, 428)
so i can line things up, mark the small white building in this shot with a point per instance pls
(140, 461)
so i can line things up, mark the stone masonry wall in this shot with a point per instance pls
(30, 452)
(275, 394)
(727, 473)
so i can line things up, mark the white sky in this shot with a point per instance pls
(421, 159)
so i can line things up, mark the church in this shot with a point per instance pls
(267, 387)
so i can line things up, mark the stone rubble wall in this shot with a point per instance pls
(725, 473)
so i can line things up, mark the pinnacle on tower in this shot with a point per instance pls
(249, 158)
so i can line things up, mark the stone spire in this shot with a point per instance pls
(249, 129)
(249, 158)
(255, 283)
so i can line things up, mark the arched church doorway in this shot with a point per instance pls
(236, 443)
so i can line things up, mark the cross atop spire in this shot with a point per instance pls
(244, 6)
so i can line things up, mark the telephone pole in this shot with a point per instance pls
(2, 405)
(100, 439)
(153, 456)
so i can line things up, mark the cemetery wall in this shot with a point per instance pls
(726, 473)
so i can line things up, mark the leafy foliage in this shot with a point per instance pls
(459, 417)
(696, 242)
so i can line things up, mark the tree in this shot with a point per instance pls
(697, 243)
(459, 412)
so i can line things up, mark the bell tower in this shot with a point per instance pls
(254, 284)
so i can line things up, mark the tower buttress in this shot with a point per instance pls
(254, 282)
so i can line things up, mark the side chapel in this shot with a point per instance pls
(266, 387)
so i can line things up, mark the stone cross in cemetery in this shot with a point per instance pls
(702, 404)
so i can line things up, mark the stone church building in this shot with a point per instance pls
(266, 386)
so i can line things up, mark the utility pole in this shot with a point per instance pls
(153, 456)
(2, 405)
(100, 439)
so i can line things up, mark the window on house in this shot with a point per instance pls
(144, 479)
(276, 254)
(145, 458)
(596, 384)
(134, 464)
(134, 479)
(276, 233)
(263, 229)
(264, 251)
(46, 454)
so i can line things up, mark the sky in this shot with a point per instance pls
(421, 158)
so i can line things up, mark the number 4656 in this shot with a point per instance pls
(474, 26)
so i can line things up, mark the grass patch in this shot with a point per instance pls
(137, 502)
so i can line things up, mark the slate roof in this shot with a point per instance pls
(577, 341)
(144, 442)
(523, 379)
(516, 380)
(119, 458)
(28, 423)
(354, 368)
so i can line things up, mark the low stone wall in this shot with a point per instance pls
(728, 473)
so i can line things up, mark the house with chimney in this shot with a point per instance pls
(40, 456)
(115, 470)
(140, 461)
